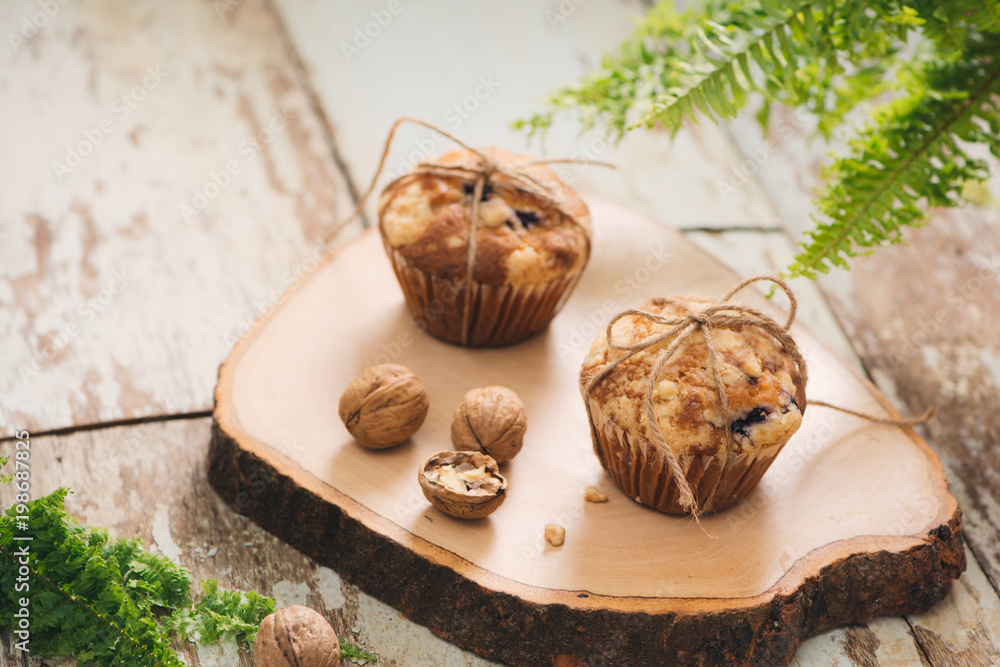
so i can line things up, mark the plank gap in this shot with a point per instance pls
(984, 566)
(783, 227)
(326, 127)
(710, 229)
(925, 656)
(68, 430)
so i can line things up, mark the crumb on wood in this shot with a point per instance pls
(593, 495)
(555, 535)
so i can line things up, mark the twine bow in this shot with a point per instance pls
(479, 175)
(721, 315)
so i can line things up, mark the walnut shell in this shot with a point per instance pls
(295, 636)
(466, 485)
(384, 406)
(491, 420)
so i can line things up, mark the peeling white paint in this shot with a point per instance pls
(973, 445)
(825, 650)
(991, 510)
(971, 603)
(194, 281)
(394, 637)
(330, 588)
(286, 593)
(932, 357)
(17, 254)
(896, 647)
(887, 383)
(992, 363)
(162, 535)
(224, 654)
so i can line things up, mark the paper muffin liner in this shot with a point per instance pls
(642, 472)
(500, 314)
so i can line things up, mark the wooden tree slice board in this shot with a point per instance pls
(853, 520)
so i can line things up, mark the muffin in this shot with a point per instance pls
(763, 385)
(532, 243)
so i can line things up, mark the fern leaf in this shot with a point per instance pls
(165, 583)
(349, 650)
(786, 50)
(73, 587)
(103, 600)
(761, 35)
(220, 613)
(909, 158)
(937, 61)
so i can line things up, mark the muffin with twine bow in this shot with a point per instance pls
(690, 401)
(487, 245)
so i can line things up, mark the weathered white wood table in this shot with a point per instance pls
(171, 169)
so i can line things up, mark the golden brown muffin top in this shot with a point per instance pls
(524, 238)
(762, 385)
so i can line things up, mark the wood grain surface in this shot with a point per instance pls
(823, 531)
(107, 351)
(121, 303)
(480, 67)
(110, 471)
(182, 517)
(934, 342)
(923, 319)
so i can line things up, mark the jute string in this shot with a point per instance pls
(480, 174)
(721, 315)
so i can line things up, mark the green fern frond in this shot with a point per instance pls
(951, 24)
(220, 613)
(935, 60)
(851, 90)
(164, 583)
(910, 158)
(79, 605)
(349, 650)
(708, 62)
(104, 600)
(718, 78)
(628, 74)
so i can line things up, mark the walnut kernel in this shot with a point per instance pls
(465, 485)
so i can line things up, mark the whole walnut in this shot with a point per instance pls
(491, 420)
(384, 406)
(296, 636)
